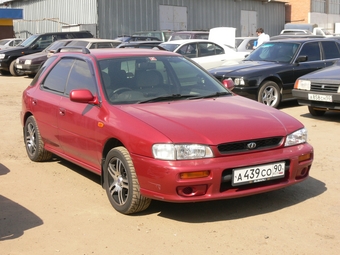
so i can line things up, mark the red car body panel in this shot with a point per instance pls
(78, 132)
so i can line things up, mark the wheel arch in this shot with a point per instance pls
(273, 78)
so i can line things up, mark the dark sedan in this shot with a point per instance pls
(319, 90)
(268, 74)
(31, 63)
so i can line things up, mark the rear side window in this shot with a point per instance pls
(330, 50)
(57, 78)
(312, 51)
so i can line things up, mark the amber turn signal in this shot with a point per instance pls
(192, 175)
(305, 157)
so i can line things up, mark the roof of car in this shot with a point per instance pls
(191, 32)
(95, 40)
(121, 52)
(187, 41)
(301, 40)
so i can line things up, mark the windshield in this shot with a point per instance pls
(3, 42)
(170, 46)
(29, 41)
(274, 52)
(154, 79)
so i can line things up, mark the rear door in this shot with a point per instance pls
(331, 52)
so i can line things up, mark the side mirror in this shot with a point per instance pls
(34, 46)
(228, 83)
(301, 59)
(83, 96)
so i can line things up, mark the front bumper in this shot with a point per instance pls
(4, 66)
(28, 69)
(302, 97)
(249, 92)
(161, 180)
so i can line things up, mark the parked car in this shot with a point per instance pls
(183, 35)
(245, 44)
(33, 44)
(160, 34)
(319, 90)
(10, 42)
(30, 64)
(153, 125)
(268, 74)
(134, 38)
(94, 43)
(142, 44)
(204, 52)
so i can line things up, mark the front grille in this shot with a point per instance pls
(322, 87)
(261, 144)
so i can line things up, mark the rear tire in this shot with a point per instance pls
(315, 112)
(14, 71)
(269, 94)
(34, 143)
(121, 183)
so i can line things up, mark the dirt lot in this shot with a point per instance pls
(59, 208)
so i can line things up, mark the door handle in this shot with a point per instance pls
(61, 111)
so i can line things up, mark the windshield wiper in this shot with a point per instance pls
(216, 94)
(166, 98)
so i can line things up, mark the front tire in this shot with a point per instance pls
(315, 112)
(121, 183)
(269, 94)
(14, 71)
(34, 143)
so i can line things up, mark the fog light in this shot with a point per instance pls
(193, 175)
(192, 191)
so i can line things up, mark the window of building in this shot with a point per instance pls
(334, 7)
(319, 6)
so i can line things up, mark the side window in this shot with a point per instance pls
(330, 50)
(78, 43)
(80, 77)
(209, 49)
(250, 44)
(188, 50)
(44, 41)
(312, 51)
(57, 77)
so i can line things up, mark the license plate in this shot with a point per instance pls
(316, 97)
(19, 66)
(260, 173)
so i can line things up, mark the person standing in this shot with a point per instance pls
(262, 37)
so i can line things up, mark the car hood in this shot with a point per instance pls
(214, 121)
(38, 55)
(327, 74)
(243, 67)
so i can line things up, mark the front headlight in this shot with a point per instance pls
(239, 81)
(298, 137)
(2, 56)
(181, 151)
(302, 84)
(28, 62)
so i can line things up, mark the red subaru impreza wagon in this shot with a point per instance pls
(155, 125)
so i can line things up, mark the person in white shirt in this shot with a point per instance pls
(262, 37)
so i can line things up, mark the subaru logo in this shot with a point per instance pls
(251, 146)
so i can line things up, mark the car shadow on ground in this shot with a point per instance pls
(328, 116)
(228, 209)
(288, 104)
(14, 218)
(239, 208)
